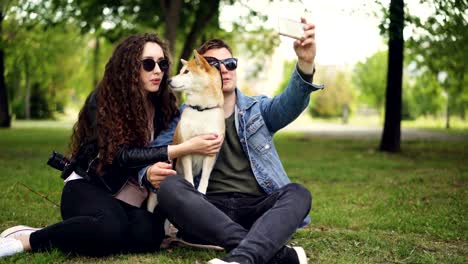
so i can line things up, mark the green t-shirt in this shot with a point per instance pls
(232, 171)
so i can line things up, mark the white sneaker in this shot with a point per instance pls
(220, 261)
(290, 255)
(16, 231)
(301, 255)
(10, 246)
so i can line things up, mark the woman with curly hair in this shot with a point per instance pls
(102, 198)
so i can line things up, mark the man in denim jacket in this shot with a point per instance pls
(251, 208)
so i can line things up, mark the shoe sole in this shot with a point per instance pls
(203, 246)
(301, 255)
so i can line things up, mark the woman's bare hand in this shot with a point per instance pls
(208, 144)
(158, 172)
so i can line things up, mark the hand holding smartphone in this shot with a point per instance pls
(290, 28)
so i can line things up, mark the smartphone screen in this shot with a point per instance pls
(290, 28)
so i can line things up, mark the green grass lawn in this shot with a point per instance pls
(368, 207)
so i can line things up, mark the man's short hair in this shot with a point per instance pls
(213, 44)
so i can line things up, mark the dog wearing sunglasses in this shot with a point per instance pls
(204, 114)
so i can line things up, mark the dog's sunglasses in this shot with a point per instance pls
(229, 63)
(150, 64)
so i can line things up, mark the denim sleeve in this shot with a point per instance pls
(306, 221)
(163, 139)
(142, 179)
(284, 108)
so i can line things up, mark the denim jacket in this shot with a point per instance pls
(257, 118)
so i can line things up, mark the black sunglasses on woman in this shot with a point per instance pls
(149, 64)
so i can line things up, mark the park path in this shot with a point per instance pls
(309, 127)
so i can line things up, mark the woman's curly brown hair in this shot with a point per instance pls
(122, 119)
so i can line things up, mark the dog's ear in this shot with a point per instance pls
(184, 66)
(201, 62)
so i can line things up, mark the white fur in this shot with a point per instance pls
(194, 123)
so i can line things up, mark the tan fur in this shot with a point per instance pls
(203, 87)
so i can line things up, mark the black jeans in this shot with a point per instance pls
(251, 227)
(96, 224)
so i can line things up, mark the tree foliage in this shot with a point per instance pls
(439, 44)
(338, 98)
(369, 79)
(55, 48)
(288, 69)
(42, 64)
(421, 94)
(426, 95)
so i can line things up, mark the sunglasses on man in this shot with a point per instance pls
(229, 63)
(149, 64)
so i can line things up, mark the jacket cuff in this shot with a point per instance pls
(305, 78)
(142, 176)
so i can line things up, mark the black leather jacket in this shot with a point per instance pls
(126, 162)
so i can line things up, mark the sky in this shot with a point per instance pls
(346, 30)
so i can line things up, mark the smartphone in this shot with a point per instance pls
(290, 28)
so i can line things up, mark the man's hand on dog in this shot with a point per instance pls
(305, 48)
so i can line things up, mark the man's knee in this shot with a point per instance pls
(300, 193)
(170, 183)
(170, 189)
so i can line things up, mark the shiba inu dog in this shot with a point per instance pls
(204, 114)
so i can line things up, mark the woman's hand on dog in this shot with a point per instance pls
(208, 144)
(158, 172)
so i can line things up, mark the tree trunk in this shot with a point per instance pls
(460, 89)
(27, 95)
(392, 126)
(206, 11)
(171, 12)
(5, 119)
(345, 114)
(172, 9)
(447, 112)
(97, 47)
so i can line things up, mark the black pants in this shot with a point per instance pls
(251, 227)
(96, 224)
